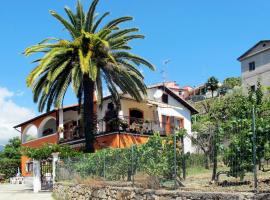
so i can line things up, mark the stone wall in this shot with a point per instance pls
(83, 192)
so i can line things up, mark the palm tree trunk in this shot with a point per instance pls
(89, 122)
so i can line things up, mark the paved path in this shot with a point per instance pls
(21, 192)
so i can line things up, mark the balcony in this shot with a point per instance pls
(136, 126)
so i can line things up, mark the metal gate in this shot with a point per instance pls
(46, 171)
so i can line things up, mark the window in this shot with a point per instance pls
(253, 88)
(29, 167)
(30, 133)
(179, 123)
(251, 66)
(165, 98)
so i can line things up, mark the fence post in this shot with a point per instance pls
(54, 163)
(175, 161)
(215, 153)
(36, 176)
(254, 150)
(104, 165)
(183, 158)
(132, 164)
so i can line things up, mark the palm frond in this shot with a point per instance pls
(80, 16)
(98, 22)
(71, 16)
(134, 58)
(121, 33)
(73, 32)
(117, 21)
(90, 16)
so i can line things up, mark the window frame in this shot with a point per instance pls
(251, 66)
(253, 88)
(166, 96)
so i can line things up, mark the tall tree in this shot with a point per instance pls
(93, 56)
(212, 84)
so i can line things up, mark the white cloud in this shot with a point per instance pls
(11, 114)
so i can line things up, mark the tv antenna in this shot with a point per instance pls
(163, 70)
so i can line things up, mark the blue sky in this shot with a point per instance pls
(202, 38)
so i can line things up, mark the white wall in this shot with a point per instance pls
(262, 71)
(181, 111)
(70, 116)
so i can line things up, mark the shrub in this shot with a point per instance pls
(9, 167)
(154, 158)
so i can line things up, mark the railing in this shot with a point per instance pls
(130, 125)
(72, 133)
(118, 125)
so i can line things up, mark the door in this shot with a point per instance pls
(46, 174)
(166, 124)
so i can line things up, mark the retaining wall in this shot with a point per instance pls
(84, 192)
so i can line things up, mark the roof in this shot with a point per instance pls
(70, 107)
(160, 86)
(179, 99)
(249, 52)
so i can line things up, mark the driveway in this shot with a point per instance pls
(21, 192)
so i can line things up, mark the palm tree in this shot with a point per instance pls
(94, 56)
(212, 84)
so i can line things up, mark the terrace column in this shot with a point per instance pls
(54, 163)
(36, 176)
(61, 124)
(121, 114)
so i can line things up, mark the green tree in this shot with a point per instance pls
(212, 84)
(93, 56)
(10, 158)
(12, 149)
(231, 82)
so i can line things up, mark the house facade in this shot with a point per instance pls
(188, 93)
(255, 65)
(160, 112)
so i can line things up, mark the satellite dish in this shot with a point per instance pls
(158, 94)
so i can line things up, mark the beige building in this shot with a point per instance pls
(255, 65)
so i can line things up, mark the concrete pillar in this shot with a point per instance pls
(61, 124)
(54, 163)
(121, 114)
(36, 176)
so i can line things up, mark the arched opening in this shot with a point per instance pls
(30, 133)
(48, 127)
(136, 116)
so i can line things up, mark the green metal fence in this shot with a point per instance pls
(235, 159)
